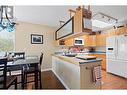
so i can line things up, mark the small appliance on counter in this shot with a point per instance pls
(78, 41)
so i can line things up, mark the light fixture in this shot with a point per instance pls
(100, 24)
(6, 18)
(102, 20)
(102, 16)
(108, 19)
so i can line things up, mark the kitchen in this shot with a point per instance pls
(107, 44)
(80, 50)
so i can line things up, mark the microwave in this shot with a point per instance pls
(78, 41)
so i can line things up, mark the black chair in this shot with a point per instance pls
(16, 56)
(6, 81)
(19, 55)
(31, 70)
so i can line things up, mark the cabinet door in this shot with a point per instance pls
(101, 39)
(78, 21)
(111, 32)
(103, 56)
(117, 67)
(86, 41)
(69, 42)
(90, 40)
(121, 31)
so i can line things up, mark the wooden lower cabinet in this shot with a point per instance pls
(103, 56)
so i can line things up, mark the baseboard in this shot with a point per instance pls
(60, 80)
(48, 69)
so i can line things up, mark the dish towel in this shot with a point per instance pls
(97, 75)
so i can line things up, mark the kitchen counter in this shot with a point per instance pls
(96, 52)
(75, 73)
(75, 60)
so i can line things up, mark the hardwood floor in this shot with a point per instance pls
(50, 81)
(109, 81)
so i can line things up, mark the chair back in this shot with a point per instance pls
(3, 72)
(41, 58)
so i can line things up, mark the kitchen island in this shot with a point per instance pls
(75, 73)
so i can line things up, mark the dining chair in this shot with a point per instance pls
(31, 70)
(16, 56)
(19, 55)
(6, 81)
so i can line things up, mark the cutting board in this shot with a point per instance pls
(86, 57)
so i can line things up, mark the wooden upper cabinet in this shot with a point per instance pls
(101, 39)
(111, 32)
(118, 31)
(121, 31)
(78, 22)
(69, 42)
(89, 40)
(92, 40)
(82, 24)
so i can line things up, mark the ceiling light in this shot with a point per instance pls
(108, 19)
(105, 18)
(100, 24)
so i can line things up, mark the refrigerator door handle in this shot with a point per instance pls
(116, 50)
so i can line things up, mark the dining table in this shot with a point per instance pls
(34, 61)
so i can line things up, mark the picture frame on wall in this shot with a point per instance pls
(36, 39)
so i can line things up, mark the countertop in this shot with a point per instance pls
(75, 60)
(95, 52)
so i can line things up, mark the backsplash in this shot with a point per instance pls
(75, 49)
(101, 48)
(79, 49)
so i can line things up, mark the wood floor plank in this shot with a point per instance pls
(50, 81)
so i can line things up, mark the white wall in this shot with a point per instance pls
(23, 41)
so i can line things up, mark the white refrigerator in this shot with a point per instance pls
(116, 55)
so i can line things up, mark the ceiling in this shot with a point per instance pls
(50, 15)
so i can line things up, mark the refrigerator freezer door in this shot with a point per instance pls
(122, 47)
(117, 67)
(111, 47)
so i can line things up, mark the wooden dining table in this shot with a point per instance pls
(34, 61)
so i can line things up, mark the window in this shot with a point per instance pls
(7, 41)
